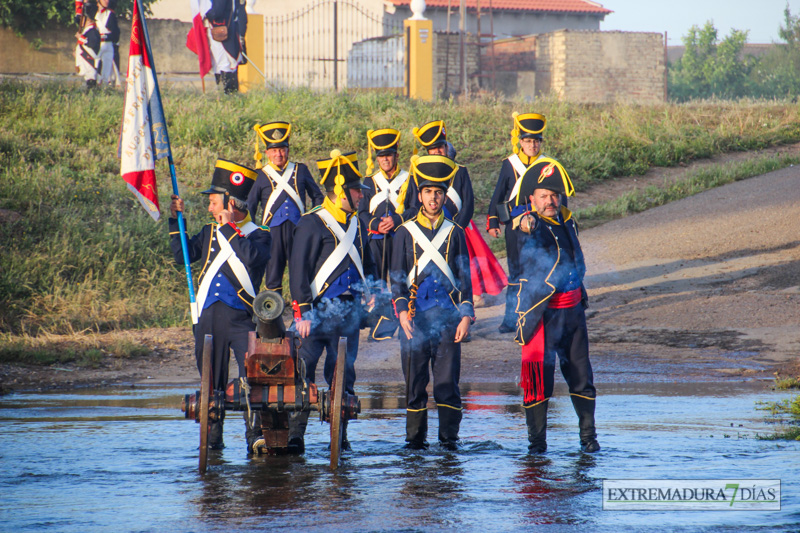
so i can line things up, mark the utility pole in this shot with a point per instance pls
(462, 45)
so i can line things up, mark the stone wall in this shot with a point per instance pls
(53, 51)
(580, 66)
(447, 64)
(599, 67)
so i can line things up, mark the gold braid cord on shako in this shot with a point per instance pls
(433, 171)
(384, 140)
(338, 172)
(273, 135)
(547, 174)
(430, 135)
(526, 125)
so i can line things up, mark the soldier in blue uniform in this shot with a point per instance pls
(329, 272)
(551, 320)
(380, 208)
(235, 252)
(280, 189)
(527, 131)
(432, 291)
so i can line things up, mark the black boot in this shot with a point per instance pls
(215, 435)
(584, 407)
(230, 82)
(254, 437)
(536, 419)
(345, 443)
(416, 430)
(449, 423)
(298, 421)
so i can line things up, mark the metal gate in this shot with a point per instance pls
(310, 47)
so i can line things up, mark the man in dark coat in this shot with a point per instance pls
(280, 189)
(329, 272)
(551, 320)
(224, 43)
(506, 202)
(87, 50)
(432, 291)
(380, 208)
(235, 252)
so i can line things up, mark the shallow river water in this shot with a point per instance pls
(124, 459)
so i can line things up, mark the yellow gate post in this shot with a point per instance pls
(249, 77)
(419, 54)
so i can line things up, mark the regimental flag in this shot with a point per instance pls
(197, 38)
(144, 129)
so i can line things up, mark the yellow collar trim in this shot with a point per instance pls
(276, 167)
(239, 224)
(338, 213)
(426, 222)
(244, 221)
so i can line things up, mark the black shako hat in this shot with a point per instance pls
(383, 141)
(547, 174)
(432, 134)
(231, 178)
(433, 171)
(275, 134)
(340, 172)
(528, 125)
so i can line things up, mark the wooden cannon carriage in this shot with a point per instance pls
(275, 385)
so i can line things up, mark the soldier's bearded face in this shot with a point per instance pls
(278, 156)
(546, 202)
(432, 199)
(387, 162)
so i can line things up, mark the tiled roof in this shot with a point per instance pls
(550, 6)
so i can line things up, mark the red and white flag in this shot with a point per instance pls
(144, 130)
(197, 38)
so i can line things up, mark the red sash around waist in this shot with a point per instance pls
(565, 300)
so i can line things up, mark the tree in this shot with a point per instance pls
(791, 31)
(710, 67)
(777, 74)
(27, 15)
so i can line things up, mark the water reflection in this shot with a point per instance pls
(124, 459)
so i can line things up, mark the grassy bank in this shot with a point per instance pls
(79, 254)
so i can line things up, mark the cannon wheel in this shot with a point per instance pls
(337, 391)
(205, 398)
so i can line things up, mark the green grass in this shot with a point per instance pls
(78, 253)
(785, 383)
(79, 350)
(785, 412)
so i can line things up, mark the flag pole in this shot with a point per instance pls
(181, 222)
